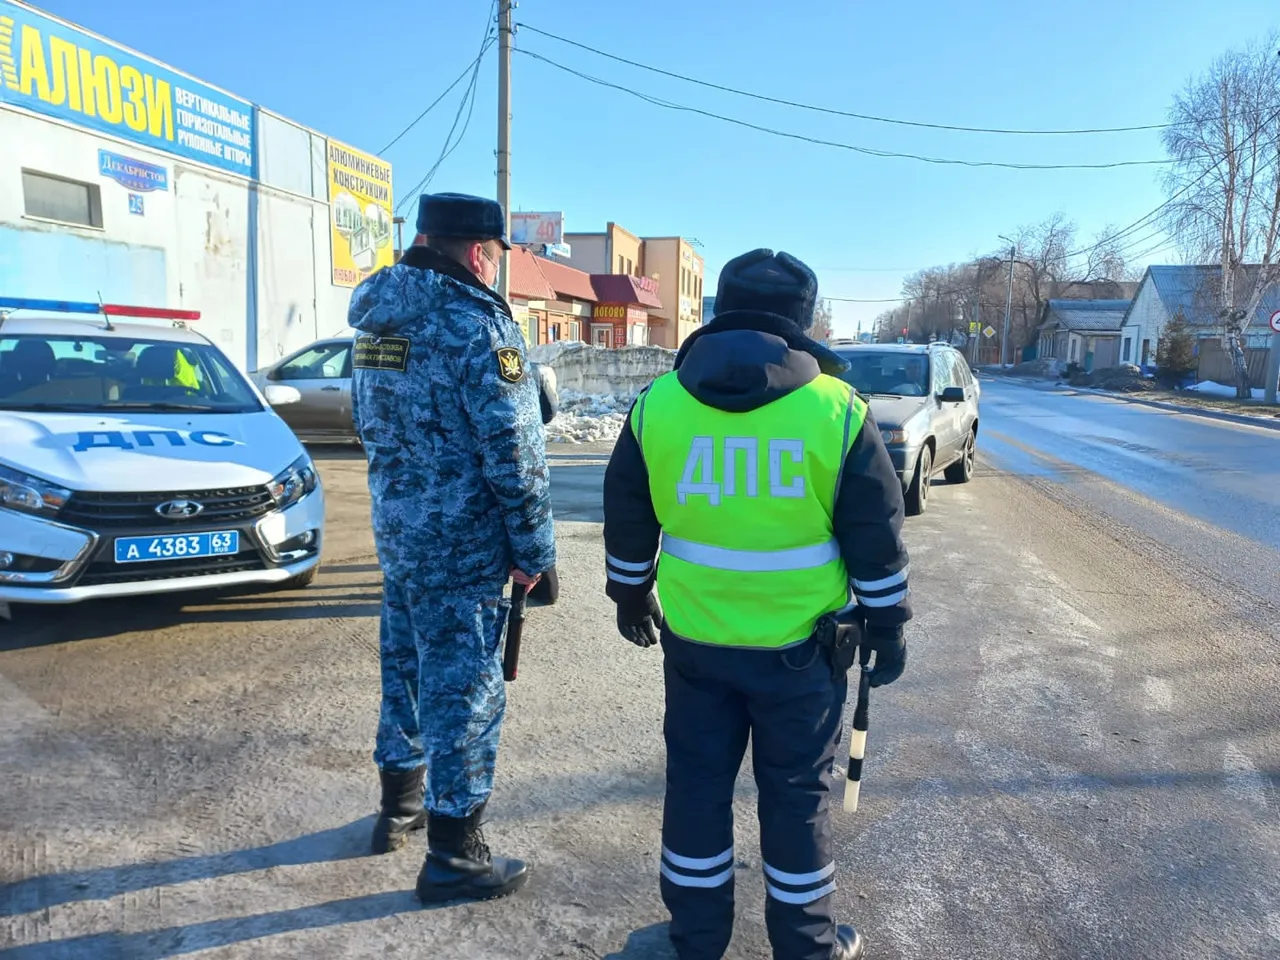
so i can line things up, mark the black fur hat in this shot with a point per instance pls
(461, 215)
(770, 282)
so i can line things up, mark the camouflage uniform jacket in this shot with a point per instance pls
(449, 415)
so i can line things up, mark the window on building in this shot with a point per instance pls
(1128, 350)
(1146, 352)
(56, 198)
(621, 263)
(629, 267)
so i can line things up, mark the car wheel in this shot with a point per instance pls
(302, 580)
(918, 492)
(962, 470)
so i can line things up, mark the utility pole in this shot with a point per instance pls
(1008, 306)
(504, 137)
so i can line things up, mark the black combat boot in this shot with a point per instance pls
(849, 945)
(458, 864)
(402, 810)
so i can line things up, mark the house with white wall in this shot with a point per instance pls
(1192, 291)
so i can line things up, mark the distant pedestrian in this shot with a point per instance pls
(765, 481)
(452, 430)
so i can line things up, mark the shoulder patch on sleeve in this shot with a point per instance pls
(380, 353)
(510, 364)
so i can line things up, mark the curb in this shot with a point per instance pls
(1266, 423)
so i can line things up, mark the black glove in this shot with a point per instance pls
(640, 622)
(890, 648)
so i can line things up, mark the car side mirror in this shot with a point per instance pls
(279, 395)
(952, 395)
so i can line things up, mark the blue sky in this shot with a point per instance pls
(360, 73)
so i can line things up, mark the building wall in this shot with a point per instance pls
(689, 306)
(587, 252)
(626, 252)
(662, 258)
(253, 258)
(1145, 322)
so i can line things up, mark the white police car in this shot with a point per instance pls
(135, 459)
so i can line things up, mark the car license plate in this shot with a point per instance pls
(176, 547)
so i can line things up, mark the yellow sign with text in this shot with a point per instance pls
(360, 214)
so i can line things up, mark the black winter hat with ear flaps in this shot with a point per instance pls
(771, 282)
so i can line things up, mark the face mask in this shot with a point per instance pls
(494, 284)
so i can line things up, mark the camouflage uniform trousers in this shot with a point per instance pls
(443, 696)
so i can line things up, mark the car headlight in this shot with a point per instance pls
(21, 491)
(893, 437)
(295, 482)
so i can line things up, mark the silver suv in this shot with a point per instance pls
(924, 399)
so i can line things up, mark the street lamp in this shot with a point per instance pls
(1008, 306)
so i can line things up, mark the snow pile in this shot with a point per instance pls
(1209, 388)
(597, 386)
(621, 372)
(588, 418)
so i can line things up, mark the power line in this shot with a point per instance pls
(841, 113)
(468, 103)
(656, 101)
(434, 103)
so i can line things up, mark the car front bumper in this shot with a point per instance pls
(52, 562)
(904, 462)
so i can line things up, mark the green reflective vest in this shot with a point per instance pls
(745, 503)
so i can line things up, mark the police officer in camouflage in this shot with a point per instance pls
(452, 428)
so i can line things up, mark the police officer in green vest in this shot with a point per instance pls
(752, 489)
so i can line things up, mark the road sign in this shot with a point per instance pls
(1275, 321)
(989, 332)
(973, 326)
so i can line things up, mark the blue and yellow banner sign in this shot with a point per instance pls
(59, 71)
(132, 174)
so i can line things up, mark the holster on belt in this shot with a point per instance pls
(840, 639)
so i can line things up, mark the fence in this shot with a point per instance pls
(1215, 363)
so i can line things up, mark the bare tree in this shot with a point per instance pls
(1224, 187)
(822, 318)
(1105, 258)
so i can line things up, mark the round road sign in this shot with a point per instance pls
(1275, 321)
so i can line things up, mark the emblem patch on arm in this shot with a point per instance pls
(380, 353)
(510, 364)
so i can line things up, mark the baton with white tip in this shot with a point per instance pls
(858, 736)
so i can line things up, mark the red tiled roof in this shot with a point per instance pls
(527, 280)
(621, 288)
(567, 281)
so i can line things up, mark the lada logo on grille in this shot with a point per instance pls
(177, 509)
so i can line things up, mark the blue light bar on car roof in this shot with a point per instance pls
(106, 309)
(53, 306)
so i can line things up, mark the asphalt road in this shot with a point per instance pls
(1080, 761)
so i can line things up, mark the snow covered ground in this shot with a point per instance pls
(1210, 389)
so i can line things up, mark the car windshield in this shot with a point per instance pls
(887, 372)
(88, 374)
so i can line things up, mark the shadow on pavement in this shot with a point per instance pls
(348, 842)
(647, 942)
(176, 941)
(36, 626)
